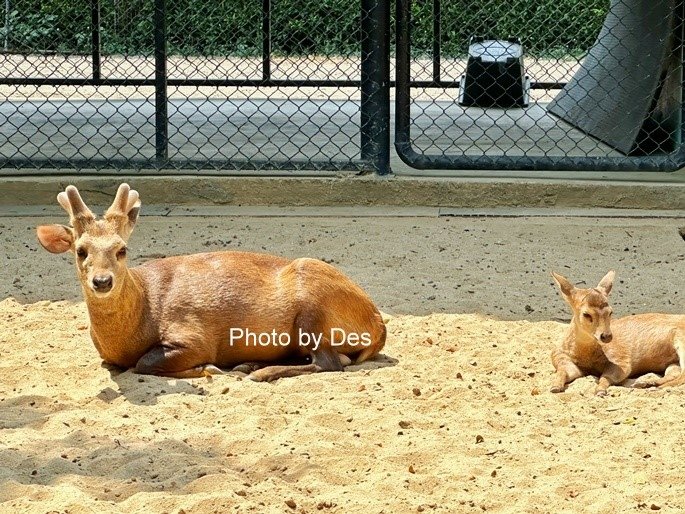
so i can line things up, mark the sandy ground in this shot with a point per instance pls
(455, 416)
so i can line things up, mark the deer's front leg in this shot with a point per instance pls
(175, 361)
(613, 375)
(567, 371)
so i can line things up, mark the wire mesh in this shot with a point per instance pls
(220, 85)
(601, 84)
(304, 85)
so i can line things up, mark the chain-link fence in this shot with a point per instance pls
(305, 85)
(551, 84)
(183, 85)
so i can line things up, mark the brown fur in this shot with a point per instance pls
(173, 316)
(632, 346)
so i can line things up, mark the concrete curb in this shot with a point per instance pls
(352, 191)
(339, 212)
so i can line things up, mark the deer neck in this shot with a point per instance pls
(116, 316)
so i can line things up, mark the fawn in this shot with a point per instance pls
(615, 350)
(188, 316)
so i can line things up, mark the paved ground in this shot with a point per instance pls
(209, 125)
(215, 130)
(410, 261)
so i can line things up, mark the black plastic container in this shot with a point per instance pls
(495, 75)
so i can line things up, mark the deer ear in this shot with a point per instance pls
(565, 286)
(55, 238)
(607, 282)
(133, 209)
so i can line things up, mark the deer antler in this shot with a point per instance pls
(124, 209)
(80, 216)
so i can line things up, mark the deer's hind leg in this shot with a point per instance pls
(324, 358)
(323, 354)
(248, 367)
(679, 345)
(671, 373)
(675, 373)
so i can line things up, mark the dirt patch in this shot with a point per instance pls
(498, 267)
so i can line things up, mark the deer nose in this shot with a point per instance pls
(606, 337)
(102, 283)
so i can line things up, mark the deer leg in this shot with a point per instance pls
(567, 372)
(672, 372)
(248, 367)
(675, 373)
(324, 358)
(679, 345)
(174, 362)
(612, 375)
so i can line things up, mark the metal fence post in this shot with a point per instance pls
(375, 84)
(161, 104)
(266, 39)
(437, 18)
(679, 29)
(95, 37)
(402, 84)
(7, 25)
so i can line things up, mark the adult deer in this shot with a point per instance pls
(615, 350)
(188, 316)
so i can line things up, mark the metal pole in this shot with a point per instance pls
(266, 39)
(375, 84)
(678, 47)
(402, 76)
(95, 37)
(436, 40)
(161, 104)
(7, 25)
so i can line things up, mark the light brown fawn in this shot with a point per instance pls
(615, 350)
(182, 316)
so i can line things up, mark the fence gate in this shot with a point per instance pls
(193, 85)
(551, 84)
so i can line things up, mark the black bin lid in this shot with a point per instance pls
(495, 50)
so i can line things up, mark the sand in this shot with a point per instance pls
(454, 416)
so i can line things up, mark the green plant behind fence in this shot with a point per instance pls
(299, 27)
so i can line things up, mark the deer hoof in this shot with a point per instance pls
(256, 377)
(247, 367)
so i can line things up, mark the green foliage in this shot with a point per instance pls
(299, 27)
(545, 27)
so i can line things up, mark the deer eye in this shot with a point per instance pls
(587, 316)
(121, 253)
(81, 253)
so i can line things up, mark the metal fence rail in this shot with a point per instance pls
(181, 109)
